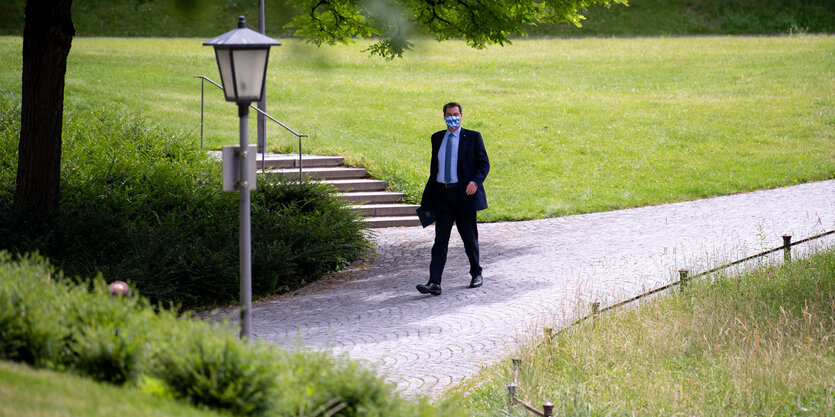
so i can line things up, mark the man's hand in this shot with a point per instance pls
(471, 188)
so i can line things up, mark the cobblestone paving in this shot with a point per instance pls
(536, 273)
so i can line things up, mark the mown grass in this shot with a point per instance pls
(759, 344)
(29, 392)
(571, 126)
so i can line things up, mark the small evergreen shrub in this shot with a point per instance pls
(220, 372)
(75, 325)
(31, 330)
(144, 206)
(59, 325)
(109, 337)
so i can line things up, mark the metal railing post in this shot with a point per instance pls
(300, 159)
(202, 90)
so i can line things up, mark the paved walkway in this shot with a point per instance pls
(537, 273)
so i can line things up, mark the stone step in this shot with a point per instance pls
(284, 160)
(367, 195)
(385, 210)
(379, 197)
(398, 221)
(326, 173)
(358, 184)
(292, 161)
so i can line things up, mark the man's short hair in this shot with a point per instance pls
(453, 104)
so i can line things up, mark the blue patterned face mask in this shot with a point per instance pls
(453, 121)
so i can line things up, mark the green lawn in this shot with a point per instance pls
(757, 345)
(28, 392)
(571, 126)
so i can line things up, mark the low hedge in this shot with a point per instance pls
(145, 206)
(62, 325)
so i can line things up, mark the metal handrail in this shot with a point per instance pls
(203, 80)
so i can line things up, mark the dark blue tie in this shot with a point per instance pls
(448, 159)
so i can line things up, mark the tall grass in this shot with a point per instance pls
(571, 126)
(759, 344)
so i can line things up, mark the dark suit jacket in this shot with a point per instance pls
(473, 165)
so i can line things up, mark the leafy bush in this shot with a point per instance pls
(219, 371)
(30, 330)
(109, 337)
(141, 205)
(126, 341)
(57, 326)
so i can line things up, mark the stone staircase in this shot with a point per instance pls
(367, 196)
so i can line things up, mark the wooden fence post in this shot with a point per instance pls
(511, 390)
(684, 278)
(516, 363)
(548, 409)
(787, 248)
(549, 333)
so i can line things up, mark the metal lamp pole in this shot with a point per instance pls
(242, 56)
(245, 224)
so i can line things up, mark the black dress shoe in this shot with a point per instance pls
(429, 288)
(476, 281)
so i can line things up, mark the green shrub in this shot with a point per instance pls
(141, 205)
(31, 330)
(208, 365)
(306, 230)
(60, 326)
(108, 336)
(325, 378)
(127, 341)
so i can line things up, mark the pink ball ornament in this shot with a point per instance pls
(119, 288)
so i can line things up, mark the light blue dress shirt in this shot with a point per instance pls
(454, 136)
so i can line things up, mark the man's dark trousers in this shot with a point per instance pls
(450, 207)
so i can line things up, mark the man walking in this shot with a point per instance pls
(454, 193)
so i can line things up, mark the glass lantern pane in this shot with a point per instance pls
(225, 67)
(250, 67)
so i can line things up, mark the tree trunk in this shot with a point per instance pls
(47, 37)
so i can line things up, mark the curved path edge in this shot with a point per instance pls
(537, 273)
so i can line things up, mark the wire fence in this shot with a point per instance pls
(684, 279)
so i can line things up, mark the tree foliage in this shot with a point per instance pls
(478, 22)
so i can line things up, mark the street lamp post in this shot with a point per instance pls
(242, 56)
